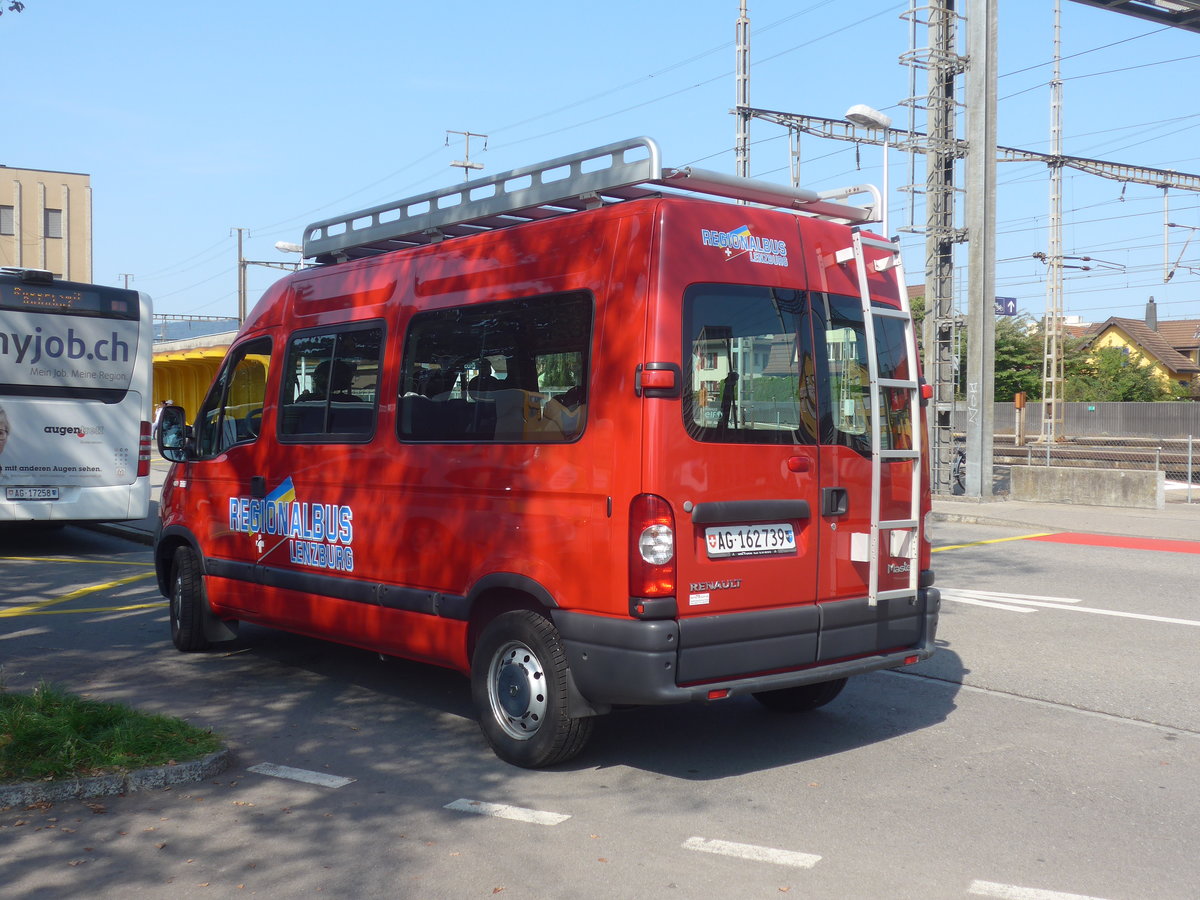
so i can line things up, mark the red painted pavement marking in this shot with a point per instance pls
(1122, 543)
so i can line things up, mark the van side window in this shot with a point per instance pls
(329, 384)
(750, 375)
(232, 411)
(510, 371)
(846, 402)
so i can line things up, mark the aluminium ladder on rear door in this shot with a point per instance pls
(903, 534)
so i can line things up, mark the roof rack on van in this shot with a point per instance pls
(626, 170)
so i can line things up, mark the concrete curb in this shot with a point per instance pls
(156, 778)
(972, 519)
(128, 532)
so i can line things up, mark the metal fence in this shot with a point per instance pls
(1082, 420)
(1161, 437)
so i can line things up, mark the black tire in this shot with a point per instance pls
(188, 606)
(801, 698)
(519, 685)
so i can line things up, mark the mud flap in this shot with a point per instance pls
(220, 630)
(578, 706)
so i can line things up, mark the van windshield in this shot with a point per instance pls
(752, 376)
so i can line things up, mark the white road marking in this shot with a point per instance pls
(1010, 598)
(752, 852)
(1006, 602)
(972, 601)
(1018, 601)
(1012, 892)
(318, 778)
(500, 811)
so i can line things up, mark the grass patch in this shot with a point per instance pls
(51, 734)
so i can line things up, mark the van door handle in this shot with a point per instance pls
(835, 501)
(258, 487)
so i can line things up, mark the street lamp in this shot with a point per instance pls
(284, 246)
(861, 114)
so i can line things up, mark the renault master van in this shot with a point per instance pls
(595, 432)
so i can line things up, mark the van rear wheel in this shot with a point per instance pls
(801, 698)
(519, 685)
(188, 606)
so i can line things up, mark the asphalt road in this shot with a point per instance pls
(1050, 751)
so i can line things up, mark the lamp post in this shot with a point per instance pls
(861, 114)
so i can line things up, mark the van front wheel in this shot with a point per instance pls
(519, 685)
(801, 698)
(187, 602)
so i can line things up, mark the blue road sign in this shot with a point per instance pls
(1006, 306)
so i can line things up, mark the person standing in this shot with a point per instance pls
(158, 417)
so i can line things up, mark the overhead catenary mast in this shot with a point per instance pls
(1052, 357)
(742, 105)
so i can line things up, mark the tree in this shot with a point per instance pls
(1019, 349)
(1018, 358)
(1113, 375)
(13, 6)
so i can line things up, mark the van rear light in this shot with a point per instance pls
(651, 547)
(144, 451)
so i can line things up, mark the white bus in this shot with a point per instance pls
(75, 395)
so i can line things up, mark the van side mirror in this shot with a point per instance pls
(173, 434)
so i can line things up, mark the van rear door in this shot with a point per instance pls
(738, 461)
(872, 491)
(846, 450)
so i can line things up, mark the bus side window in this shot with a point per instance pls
(329, 383)
(493, 372)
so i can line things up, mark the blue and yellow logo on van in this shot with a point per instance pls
(742, 242)
(318, 535)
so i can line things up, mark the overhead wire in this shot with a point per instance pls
(290, 220)
(580, 103)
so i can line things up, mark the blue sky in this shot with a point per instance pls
(193, 118)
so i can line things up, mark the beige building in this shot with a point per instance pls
(46, 222)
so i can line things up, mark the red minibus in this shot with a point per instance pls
(594, 432)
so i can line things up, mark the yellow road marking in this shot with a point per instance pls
(76, 559)
(74, 595)
(1021, 537)
(96, 609)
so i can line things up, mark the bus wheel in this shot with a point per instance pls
(187, 602)
(519, 685)
(801, 698)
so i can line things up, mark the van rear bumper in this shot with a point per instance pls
(656, 662)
